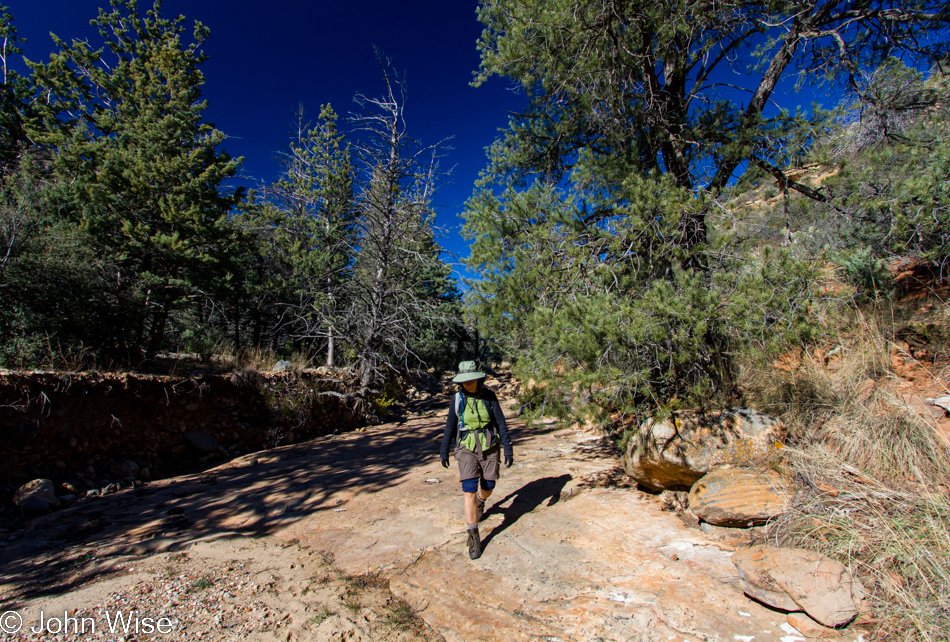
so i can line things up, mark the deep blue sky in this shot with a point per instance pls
(266, 57)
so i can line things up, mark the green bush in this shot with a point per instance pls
(869, 275)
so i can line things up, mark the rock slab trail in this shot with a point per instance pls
(567, 555)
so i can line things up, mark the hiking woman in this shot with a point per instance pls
(477, 425)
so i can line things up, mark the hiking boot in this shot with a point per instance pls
(479, 508)
(474, 544)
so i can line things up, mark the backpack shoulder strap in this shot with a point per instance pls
(459, 401)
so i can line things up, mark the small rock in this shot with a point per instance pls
(41, 489)
(865, 390)
(941, 402)
(923, 408)
(68, 500)
(201, 441)
(33, 507)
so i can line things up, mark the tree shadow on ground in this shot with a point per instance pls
(256, 494)
(524, 500)
(253, 495)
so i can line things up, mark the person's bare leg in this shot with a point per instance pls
(469, 508)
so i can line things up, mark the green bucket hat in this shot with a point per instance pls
(468, 370)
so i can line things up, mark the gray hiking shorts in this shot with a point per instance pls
(482, 464)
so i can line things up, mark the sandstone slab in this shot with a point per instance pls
(676, 452)
(564, 558)
(739, 497)
(569, 554)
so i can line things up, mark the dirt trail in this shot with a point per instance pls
(565, 556)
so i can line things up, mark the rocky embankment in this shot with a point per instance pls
(94, 433)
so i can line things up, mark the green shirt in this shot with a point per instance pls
(476, 415)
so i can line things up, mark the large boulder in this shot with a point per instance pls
(739, 497)
(34, 507)
(127, 468)
(676, 452)
(201, 441)
(794, 579)
(38, 489)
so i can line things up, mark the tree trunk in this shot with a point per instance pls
(237, 329)
(157, 332)
(257, 327)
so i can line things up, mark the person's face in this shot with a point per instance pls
(472, 386)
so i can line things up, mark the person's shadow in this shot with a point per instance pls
(524, 500)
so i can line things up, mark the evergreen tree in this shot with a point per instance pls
(307, 224)
(609, 259)
(15, 95)
(602, 307)
(890, 197)
(137, 165)
(60, 303)
(645, 83)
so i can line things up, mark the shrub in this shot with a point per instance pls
(873, 475)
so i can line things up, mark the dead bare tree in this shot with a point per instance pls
(399, 283)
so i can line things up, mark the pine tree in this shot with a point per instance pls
(137, 164)
(891, 194)
(307, 223)
(608, 254)
(15, 96)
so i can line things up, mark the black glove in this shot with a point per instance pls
(509, 459)
(445, 461)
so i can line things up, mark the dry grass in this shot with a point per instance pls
(254, 358)
(401, 616)
(874, 475)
